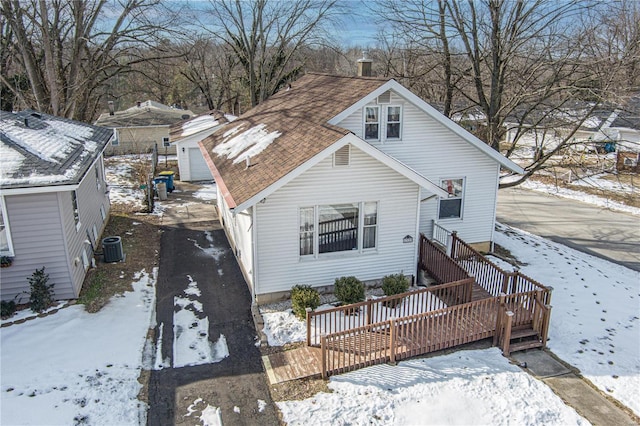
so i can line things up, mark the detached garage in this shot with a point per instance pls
(185, 135)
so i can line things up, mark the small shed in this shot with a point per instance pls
(185, 136)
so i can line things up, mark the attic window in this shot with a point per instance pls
(341, 156)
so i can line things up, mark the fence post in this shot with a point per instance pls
(454, 241)
(500, 308)
(308, 326)
(323, 358)
(367, 317)
(392, 341)
(505, 282)
(507, 334)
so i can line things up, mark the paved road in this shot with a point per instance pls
(610, 235)
(234, 384)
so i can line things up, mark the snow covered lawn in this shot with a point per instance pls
(119, 174)
(464, 388)
(596, 309)
(73, 367)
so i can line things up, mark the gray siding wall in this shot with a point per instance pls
(38, 240)
(436, 152)
(44, 234)
(279, 265)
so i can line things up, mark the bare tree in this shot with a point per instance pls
(70, 49)
(267, 37)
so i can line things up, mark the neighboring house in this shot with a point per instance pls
(53, 198)
(338, 176)
(140, 127)
(185, 136)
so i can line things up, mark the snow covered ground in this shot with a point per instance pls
(464, 388)
(73, 367)
(119, 176)
(596, 309)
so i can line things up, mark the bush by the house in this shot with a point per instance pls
(392, 285)
(41, 292)
(395, 284)
(303, 297)
(349, 290)
(7, 308)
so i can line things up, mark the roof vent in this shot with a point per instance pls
(111, 107)
(185, 116)
(26, 122)
(385, 98)
(341, 156)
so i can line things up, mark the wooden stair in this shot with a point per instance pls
(523, 339)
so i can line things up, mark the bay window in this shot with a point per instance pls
(338, 227)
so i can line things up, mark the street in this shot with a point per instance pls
(594, 230)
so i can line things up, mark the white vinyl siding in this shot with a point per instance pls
(435, 152)
(239, 229)
(198, 169)
(280, 265)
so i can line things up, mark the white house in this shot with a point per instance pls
(53, 200)
(338, 176)
(185, 136)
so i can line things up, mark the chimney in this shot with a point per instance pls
(364, 65)
(138, 103)
(111, 108)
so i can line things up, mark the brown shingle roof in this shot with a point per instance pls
(300, 114)
(195, 124)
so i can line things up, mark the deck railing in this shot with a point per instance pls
(396, 339)
(490, 276)
(441, 235)
(371, 311)
(439, 266)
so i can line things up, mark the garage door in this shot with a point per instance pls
(199, 169)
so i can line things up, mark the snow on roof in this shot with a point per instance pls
(198, 124)
(246, 144)
(38, 149)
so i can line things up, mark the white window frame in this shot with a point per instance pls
(461, 198)
(315, 250)
(7, 230)
(75, 209)
(103, 213)
(165, 142)
(364, 123)
(115, 141)
(387, 122)
(85, 259)
(98, 180)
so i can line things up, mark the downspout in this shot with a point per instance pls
(495, 208)
(254, 251)
(416, 239)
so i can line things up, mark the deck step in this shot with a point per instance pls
(521, 346)
(522, 333)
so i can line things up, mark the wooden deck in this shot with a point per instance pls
(293, 364)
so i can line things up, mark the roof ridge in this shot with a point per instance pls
(353, 77)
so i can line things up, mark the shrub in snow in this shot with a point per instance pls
(303, 297)
(41, 293)
(7, 308)
(349, 290)
(392, 285)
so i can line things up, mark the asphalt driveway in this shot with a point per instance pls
(196, 250)
(607, 234)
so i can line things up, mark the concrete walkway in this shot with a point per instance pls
(594, 230)
(573, 390)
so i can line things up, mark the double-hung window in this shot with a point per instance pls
(382, 125)
(372, 123)
(338, 227)
(6, 247)
(451, 207)
(165, 142)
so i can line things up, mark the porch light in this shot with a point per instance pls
(407, 239)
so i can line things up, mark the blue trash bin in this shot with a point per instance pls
(169, 175)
